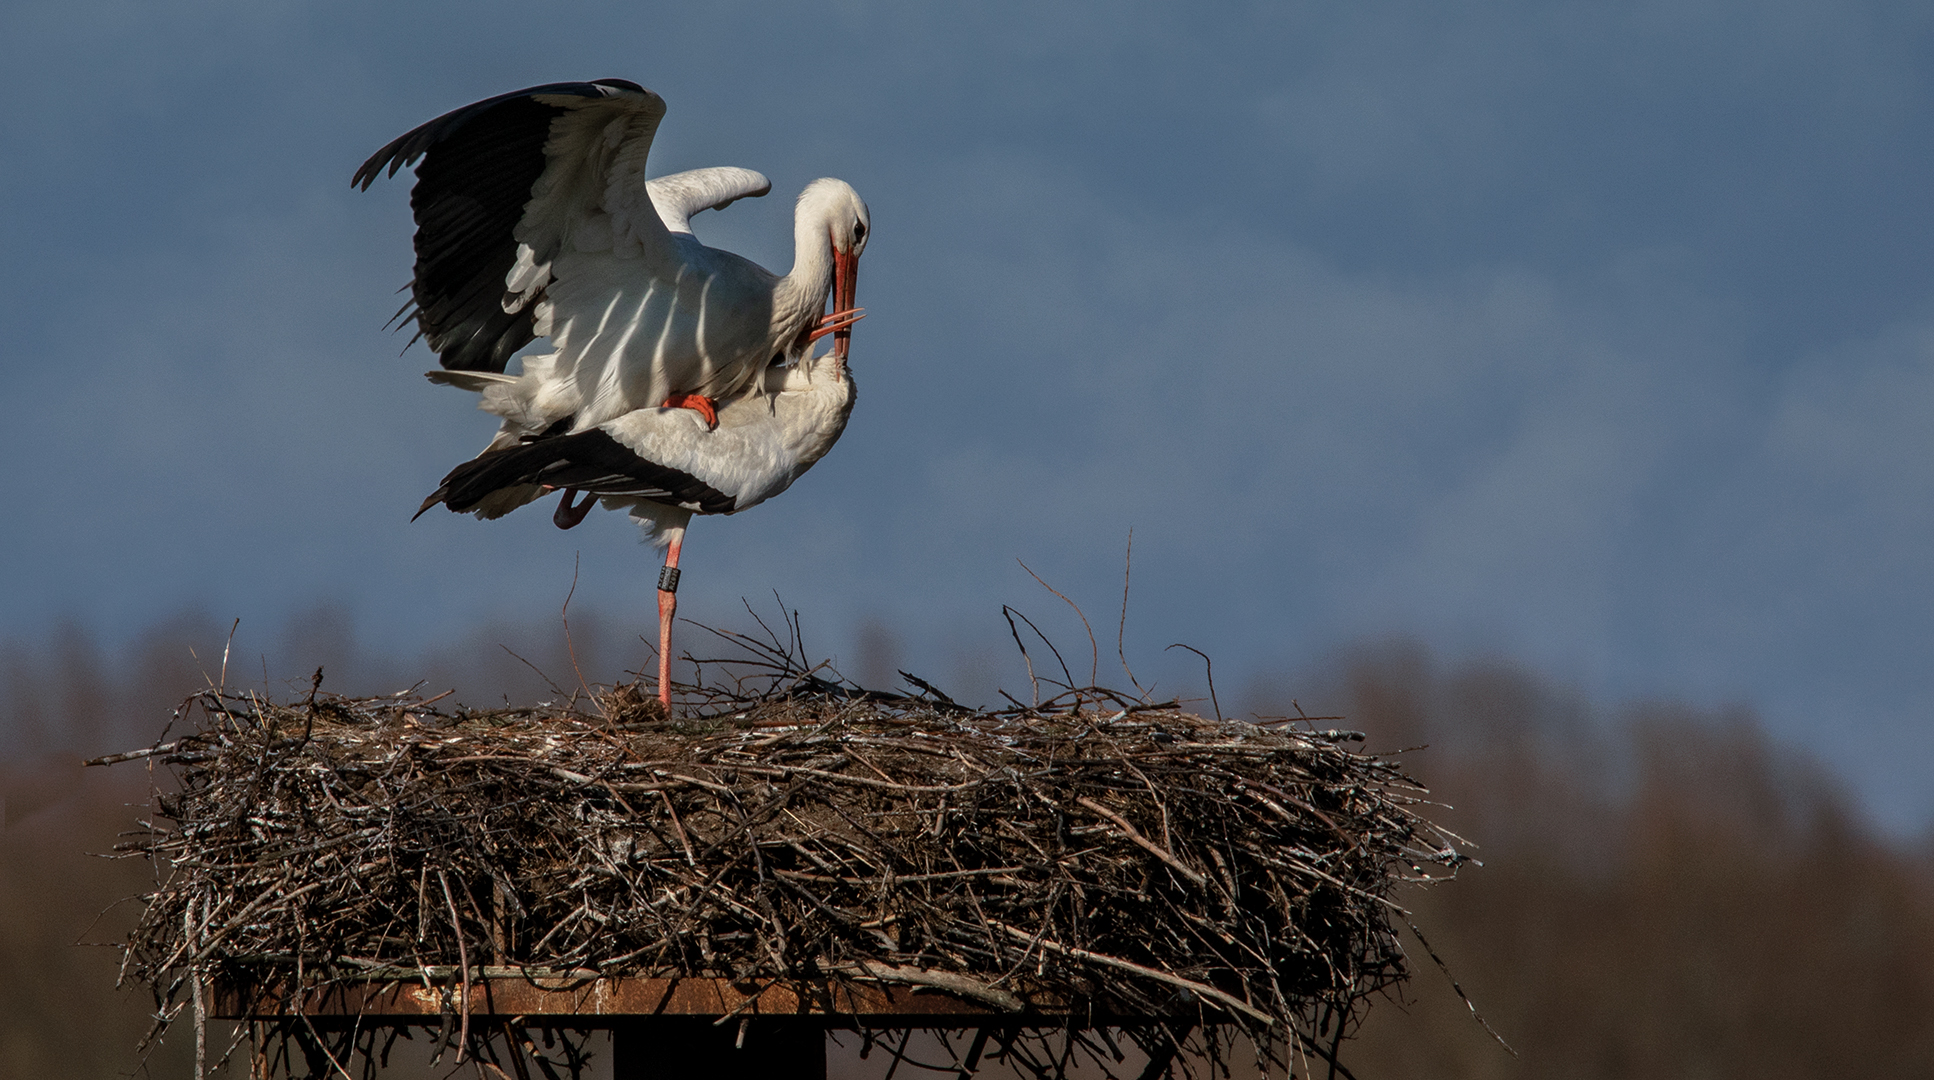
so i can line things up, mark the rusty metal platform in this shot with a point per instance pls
(661, 1028)
(503, 993)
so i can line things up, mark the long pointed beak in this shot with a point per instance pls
(846, 272)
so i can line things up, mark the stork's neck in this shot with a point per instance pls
(800, 296)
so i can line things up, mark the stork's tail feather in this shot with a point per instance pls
(436, 497)
(590, 461)
(475, 480)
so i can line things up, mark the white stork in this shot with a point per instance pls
(534, 219)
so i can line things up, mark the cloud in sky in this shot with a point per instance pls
(1596, 334)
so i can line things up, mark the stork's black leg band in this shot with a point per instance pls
(668, 579)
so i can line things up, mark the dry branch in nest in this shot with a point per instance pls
(1135, 860)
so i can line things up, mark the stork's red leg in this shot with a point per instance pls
(567, 516)
(667, 607)
(698, 403)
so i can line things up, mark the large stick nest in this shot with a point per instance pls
(1134, 859)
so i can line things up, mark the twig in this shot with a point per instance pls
(1461, 996)
(1066, 675)
(115, 759)
(1151, 846)
(323, 1045)
(959, 985)
(678, 827)
(1208, 667)
(463, 967)
(201, 1007)
(555, 689)
(1094, 665)
(225, 647)
(1008, 613)
(570, 647)
(1121, 628)
(1234, 1004)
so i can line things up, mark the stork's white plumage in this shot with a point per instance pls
(666, 464)
(534, 218)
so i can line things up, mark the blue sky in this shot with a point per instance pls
(1596, 335)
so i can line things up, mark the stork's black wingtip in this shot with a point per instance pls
(436, 497)
(367, 174)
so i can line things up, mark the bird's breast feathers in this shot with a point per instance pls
(764, 441)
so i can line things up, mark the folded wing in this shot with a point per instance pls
(589, 461)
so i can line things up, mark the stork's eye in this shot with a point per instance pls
(859, 230)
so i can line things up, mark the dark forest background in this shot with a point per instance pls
(1665, 892)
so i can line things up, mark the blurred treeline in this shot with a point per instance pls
(1665, 892)
(65, 698)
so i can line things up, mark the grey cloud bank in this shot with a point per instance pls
(1599, 335)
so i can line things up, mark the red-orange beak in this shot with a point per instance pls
(846, 272)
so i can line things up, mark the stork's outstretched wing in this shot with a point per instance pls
(501, 187)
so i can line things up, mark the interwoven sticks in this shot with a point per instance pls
(1142, 862)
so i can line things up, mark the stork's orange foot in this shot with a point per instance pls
(698, 403)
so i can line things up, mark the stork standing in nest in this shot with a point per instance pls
(681, 378)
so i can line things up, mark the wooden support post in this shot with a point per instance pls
(677, 1048)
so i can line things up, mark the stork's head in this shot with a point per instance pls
(834, 206)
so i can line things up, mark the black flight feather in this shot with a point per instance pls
(478, 165)
(589, 461)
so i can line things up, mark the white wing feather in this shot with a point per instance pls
(681, 195)
(594, 169)
(635, 309)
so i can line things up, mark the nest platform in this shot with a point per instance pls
(1098, 869)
